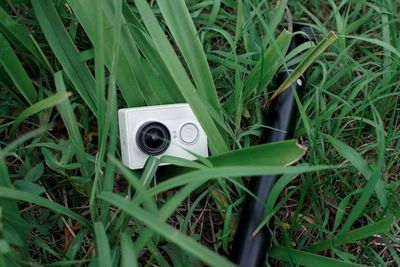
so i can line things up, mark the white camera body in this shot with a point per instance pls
(160, 130)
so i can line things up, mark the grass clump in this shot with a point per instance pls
(67, 66)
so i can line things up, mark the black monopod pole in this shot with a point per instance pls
(251, 250)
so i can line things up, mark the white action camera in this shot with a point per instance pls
(160, 130)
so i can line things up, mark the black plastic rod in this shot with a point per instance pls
(251, 250)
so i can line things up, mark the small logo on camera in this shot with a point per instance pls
(160, 130)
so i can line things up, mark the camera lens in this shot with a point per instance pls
(153, 138)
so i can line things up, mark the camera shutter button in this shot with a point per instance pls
(189, 133)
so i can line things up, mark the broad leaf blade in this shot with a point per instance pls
(261, 155)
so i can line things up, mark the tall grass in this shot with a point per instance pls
(67, 66)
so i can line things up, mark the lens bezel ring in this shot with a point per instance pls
(141, 134)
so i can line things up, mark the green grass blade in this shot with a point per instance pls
(184, 242)
(276, 190)
(308, 60)
(181, 25)
(359, 207)
(129, 256)
(70, 120)
(139, 84)
(102, 246)
(126, 79)
(167, 88)
(20, 141)
(202, 176)
(261, 155)
(9, 206)
(148, 80)
(44, 104)
(369, 230)
(217, 142)
(21, 38)
(75, 245)
(386, 46)
(28, 197)
(17, 33)
(110, 124)
(65, 51)
(149, 171)
(141, 193)
(298, 257)
(263, 72)
(99, 55)
(166, 211)
(362, 166)
(16, 72)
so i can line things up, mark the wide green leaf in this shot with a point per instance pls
(261, 155)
